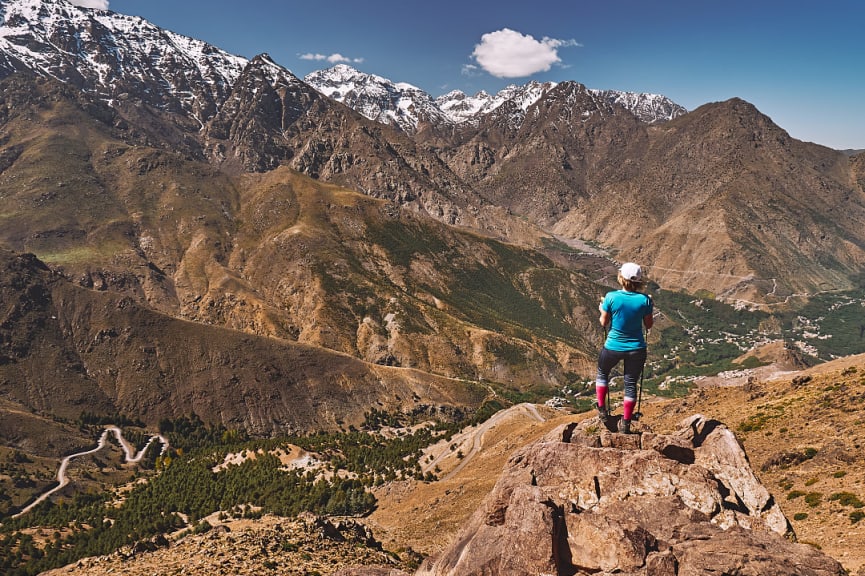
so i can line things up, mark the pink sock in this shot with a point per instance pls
(628, 408)
(601, 393)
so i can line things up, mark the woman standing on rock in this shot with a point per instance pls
(624, 312)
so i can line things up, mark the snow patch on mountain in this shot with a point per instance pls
(406, 106)
(111, 54)
(395, 103)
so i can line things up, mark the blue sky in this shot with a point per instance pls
(801, 63)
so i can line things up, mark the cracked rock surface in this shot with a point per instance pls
(585, 500)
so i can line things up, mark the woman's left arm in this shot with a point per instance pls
(648, 321)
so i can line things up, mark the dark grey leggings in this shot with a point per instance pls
(634, 361)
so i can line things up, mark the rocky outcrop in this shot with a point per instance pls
(268, 545)
(588, 501)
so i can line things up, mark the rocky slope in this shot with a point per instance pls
(588, 503)
(804, 437)
(297, 547)
(801, 430)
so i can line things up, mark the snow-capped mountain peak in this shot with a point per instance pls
(396, 103)
(650, 108)
(111, 54)
(460, 107)
(406, 106)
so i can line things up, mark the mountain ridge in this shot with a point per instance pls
(545, 160)
(410, 108)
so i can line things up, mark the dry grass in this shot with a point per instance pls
(426, 516)
(816, 424)
(802, 436)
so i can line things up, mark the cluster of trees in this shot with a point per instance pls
(189, 433)
(187, 487)
(91, 419)
(836, 316)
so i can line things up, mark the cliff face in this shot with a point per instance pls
(586, 501)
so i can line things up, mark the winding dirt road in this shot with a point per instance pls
(128, 451)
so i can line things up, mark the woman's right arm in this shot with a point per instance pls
(604, 318)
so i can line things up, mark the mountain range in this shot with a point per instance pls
(461, 236)
(411, 109)
(189, 233)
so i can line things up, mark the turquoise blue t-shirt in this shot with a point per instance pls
(626, 310)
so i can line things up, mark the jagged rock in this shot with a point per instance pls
(369, 571)
(267, 545)
(585, 500)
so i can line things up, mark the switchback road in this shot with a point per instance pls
(128, 451)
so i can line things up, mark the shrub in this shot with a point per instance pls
(813, 498)
(800, 381)
(795, 494)
(754, 422)
(847, 499)
(800, 516)
(856, 515)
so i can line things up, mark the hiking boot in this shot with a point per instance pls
(603, 415)
(624, 426)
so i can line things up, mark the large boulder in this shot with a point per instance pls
(585, 500)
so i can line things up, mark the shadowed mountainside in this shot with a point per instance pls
(67, 349)
(279, 254)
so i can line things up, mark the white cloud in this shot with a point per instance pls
(101, 4)
(470, 70)
(507, 53)
(332, 58)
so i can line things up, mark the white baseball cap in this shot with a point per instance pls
(632, 272)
